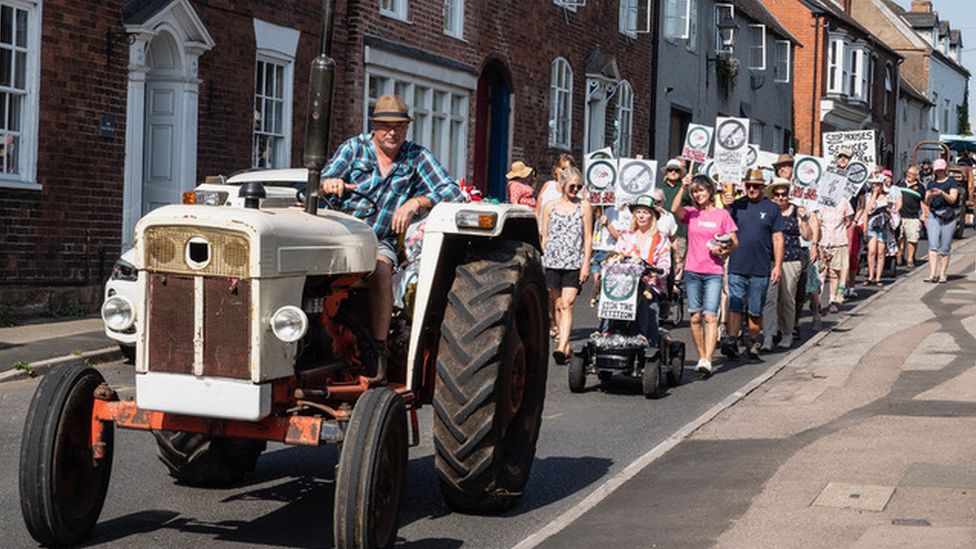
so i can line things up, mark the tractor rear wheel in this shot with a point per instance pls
(491, 377)
(62, 486)
(195, 459)
(372, 471)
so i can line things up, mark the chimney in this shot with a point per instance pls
(921, 6)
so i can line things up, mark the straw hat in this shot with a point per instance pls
(519, 170)
(776, 183)
(755, 176)
(391, 108)
(783, 159)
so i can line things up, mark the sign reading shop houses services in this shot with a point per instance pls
(731, 148)
(697, 142)
(860, 142)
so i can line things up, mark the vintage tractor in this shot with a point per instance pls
(252, 329)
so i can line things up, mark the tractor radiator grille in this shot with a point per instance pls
(226, 327)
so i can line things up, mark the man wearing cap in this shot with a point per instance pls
(846, 288)
(925, 174)
(674, 172)
(521, 188)
(757, 262)
(401, 177)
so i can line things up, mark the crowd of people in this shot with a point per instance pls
(748, 260)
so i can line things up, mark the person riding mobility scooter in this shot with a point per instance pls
(629, 341)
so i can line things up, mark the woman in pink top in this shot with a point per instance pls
(521, 184)
(711, 238)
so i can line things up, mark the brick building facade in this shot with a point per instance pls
(124, 105)
(846, 78)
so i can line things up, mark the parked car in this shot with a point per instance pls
(120, 307)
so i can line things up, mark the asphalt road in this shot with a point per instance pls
(586, 439)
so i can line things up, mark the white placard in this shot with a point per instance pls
(832, 186)
(635, 178)
(600, 178)
(807, 171)
(731, 148)
(698, 140)
(603, 241)
(618, 295)
(860, 142)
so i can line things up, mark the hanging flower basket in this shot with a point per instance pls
(727, 69)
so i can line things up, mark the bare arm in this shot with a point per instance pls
(545, 223)
(587, 241)
(676, 208)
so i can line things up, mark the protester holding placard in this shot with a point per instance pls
(567, 245)
(784, 166)
(914, 212)
(606, 230)
(879, 208)
(711, 238)
(835, 222)
(854, 233)
(674, 173)
(757, 263)
(942, 196)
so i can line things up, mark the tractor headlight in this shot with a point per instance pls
(289, 323)
(472, 219)
(117, 313)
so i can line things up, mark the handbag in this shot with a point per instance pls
(945, 215)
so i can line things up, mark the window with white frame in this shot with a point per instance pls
(272, 111)
(454, 18)
(853, 69)
(440, 114)
(394, 8)
(781, 71)
(560, 104)
(757, 47)
(756, 132)
(889, 89)
(872, 67)
(835, 66)
(627, 22)
(624, 122)
(676, 19)
(721, 12)
(859, 74)
(19, 47)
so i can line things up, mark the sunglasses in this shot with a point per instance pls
(755, 185)
(673, 170)
(780, 195)
(573, 188)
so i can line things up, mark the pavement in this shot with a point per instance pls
(45, 344)
(862, 438)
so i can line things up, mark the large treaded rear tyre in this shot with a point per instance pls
(372, 472)
(491, 377)
(62, 487)
(196, 459)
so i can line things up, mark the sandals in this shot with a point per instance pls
(879, 284)
(942, 280)
(559, 357)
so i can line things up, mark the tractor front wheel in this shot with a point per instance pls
(372, 472)
(195, 459)
(62, 485)
(491, 377)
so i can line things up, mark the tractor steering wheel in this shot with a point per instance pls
(334, 202)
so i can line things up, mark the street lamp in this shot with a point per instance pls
(727, 29)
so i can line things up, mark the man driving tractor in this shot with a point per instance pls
(402, 178)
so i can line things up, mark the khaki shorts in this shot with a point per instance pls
(911, 229)
(838, 258)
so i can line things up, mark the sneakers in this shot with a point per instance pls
(754, 350)
(834, 309)
(593, 303)
(785, 343)
(704, 366)
(850, 293)
(767, 344)
(730, 347)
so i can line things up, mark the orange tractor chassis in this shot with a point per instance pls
(301, 430)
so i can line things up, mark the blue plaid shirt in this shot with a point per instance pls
(415, 172)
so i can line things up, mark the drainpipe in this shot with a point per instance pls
(655, 46)
(816, 88)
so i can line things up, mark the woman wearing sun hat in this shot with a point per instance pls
(521, 184)
(645, 241)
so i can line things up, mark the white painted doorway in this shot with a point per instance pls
(161, 157)
(596, 114)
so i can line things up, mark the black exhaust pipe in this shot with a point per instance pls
(320, 86)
